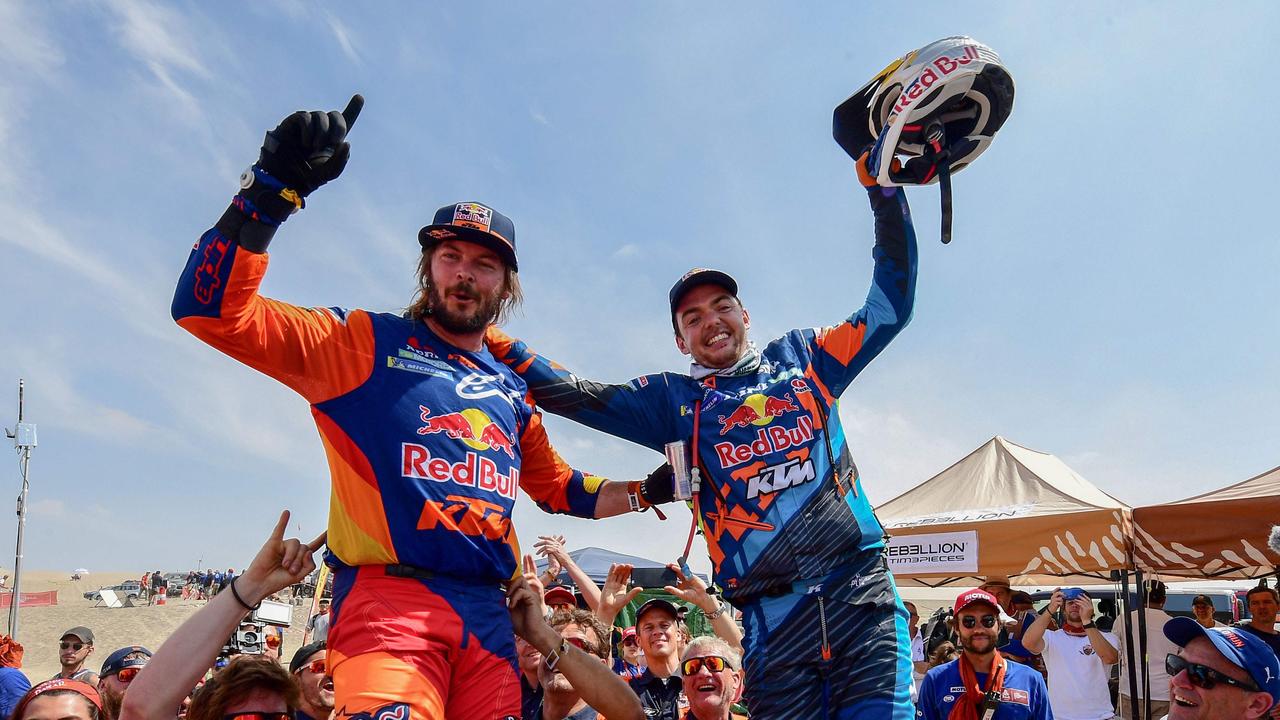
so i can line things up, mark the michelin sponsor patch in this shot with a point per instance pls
(396, 363)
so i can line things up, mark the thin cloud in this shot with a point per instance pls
(343, 36)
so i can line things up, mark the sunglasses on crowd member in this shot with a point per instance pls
(315, 667)
(126, 675)
(631, 641)
(969, 621)
(72, 645)
(1201, 676)
(258, 716)
(714, 663)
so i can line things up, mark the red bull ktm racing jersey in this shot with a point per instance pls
(781, 500)
(427, 444)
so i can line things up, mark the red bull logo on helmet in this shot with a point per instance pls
(940, 68)
(472, 426)
(757, 409)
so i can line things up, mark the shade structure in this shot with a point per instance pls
(1005, 509)
(1220, 534)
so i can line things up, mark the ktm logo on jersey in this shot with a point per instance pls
(468, 516)
(780, 477)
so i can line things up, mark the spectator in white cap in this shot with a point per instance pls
(1219, 673)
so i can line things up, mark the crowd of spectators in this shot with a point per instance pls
(992, 656)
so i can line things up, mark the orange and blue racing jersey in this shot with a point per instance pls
(780, 498)
(427, 443)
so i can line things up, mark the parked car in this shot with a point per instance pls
(130, 589)
(175, 581)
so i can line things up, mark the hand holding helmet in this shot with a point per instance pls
(938, 107)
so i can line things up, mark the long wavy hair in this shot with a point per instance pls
(421, 305)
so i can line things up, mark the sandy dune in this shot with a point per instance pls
(40, 628)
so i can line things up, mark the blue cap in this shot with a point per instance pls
(116, 661)
(1240, 648)
(475, 223)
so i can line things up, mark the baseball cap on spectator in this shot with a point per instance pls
(84, 689)
(1155, 590)
(628, 632)
(1204, 600)
(658, 604)
(119, 659)
(303, 654)
(79, 631)
(1241, 649)
(969, 597)
(558, 595)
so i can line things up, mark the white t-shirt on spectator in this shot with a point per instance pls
(1158, 646)
(917, 655)
(1077, 678)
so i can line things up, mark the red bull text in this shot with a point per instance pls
(474, 470)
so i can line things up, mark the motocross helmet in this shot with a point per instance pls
(937, 107)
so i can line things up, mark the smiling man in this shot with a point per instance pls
(712, 677)
(314, 684)
(794, 543)
(429, 438)
(981, 679)
(661, 639)
(1219, 673)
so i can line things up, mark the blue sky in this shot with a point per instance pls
(1109, 296)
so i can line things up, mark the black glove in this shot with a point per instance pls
(659, 487)
(308, 149)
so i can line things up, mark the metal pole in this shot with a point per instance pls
(25, 439)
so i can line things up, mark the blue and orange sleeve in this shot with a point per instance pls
(549, 480)
(321, 353)
(638, 411)
(839, 352)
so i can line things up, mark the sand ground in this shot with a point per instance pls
(40, 628)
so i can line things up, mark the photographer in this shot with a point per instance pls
(193, 647)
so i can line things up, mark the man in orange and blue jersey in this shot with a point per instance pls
(427, 435)
(794, 543)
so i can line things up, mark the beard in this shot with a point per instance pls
(458, 322)
(978, 644)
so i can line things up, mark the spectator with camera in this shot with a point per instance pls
(574, 673)
(314, 684)
(1077, 657)
(248, 683)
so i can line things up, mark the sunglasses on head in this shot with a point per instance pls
(1201, 676)
(714, 663)
(971, 621)
(258, 716)
(126, 675)
(72, 645)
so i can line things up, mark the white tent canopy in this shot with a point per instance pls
(1005, 509)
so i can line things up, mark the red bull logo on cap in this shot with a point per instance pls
(474, 428)
(757, 409)
(472, 215)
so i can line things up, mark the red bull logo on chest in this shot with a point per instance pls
(757, 409)
(474, 470)
(472, 426)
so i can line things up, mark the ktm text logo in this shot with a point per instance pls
(757, 409)
(780, 477)
(474, 428)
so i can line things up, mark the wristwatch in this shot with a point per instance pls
(718, 611)
(1089, 625)
(553, 658)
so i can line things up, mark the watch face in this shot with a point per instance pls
(246, 178)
